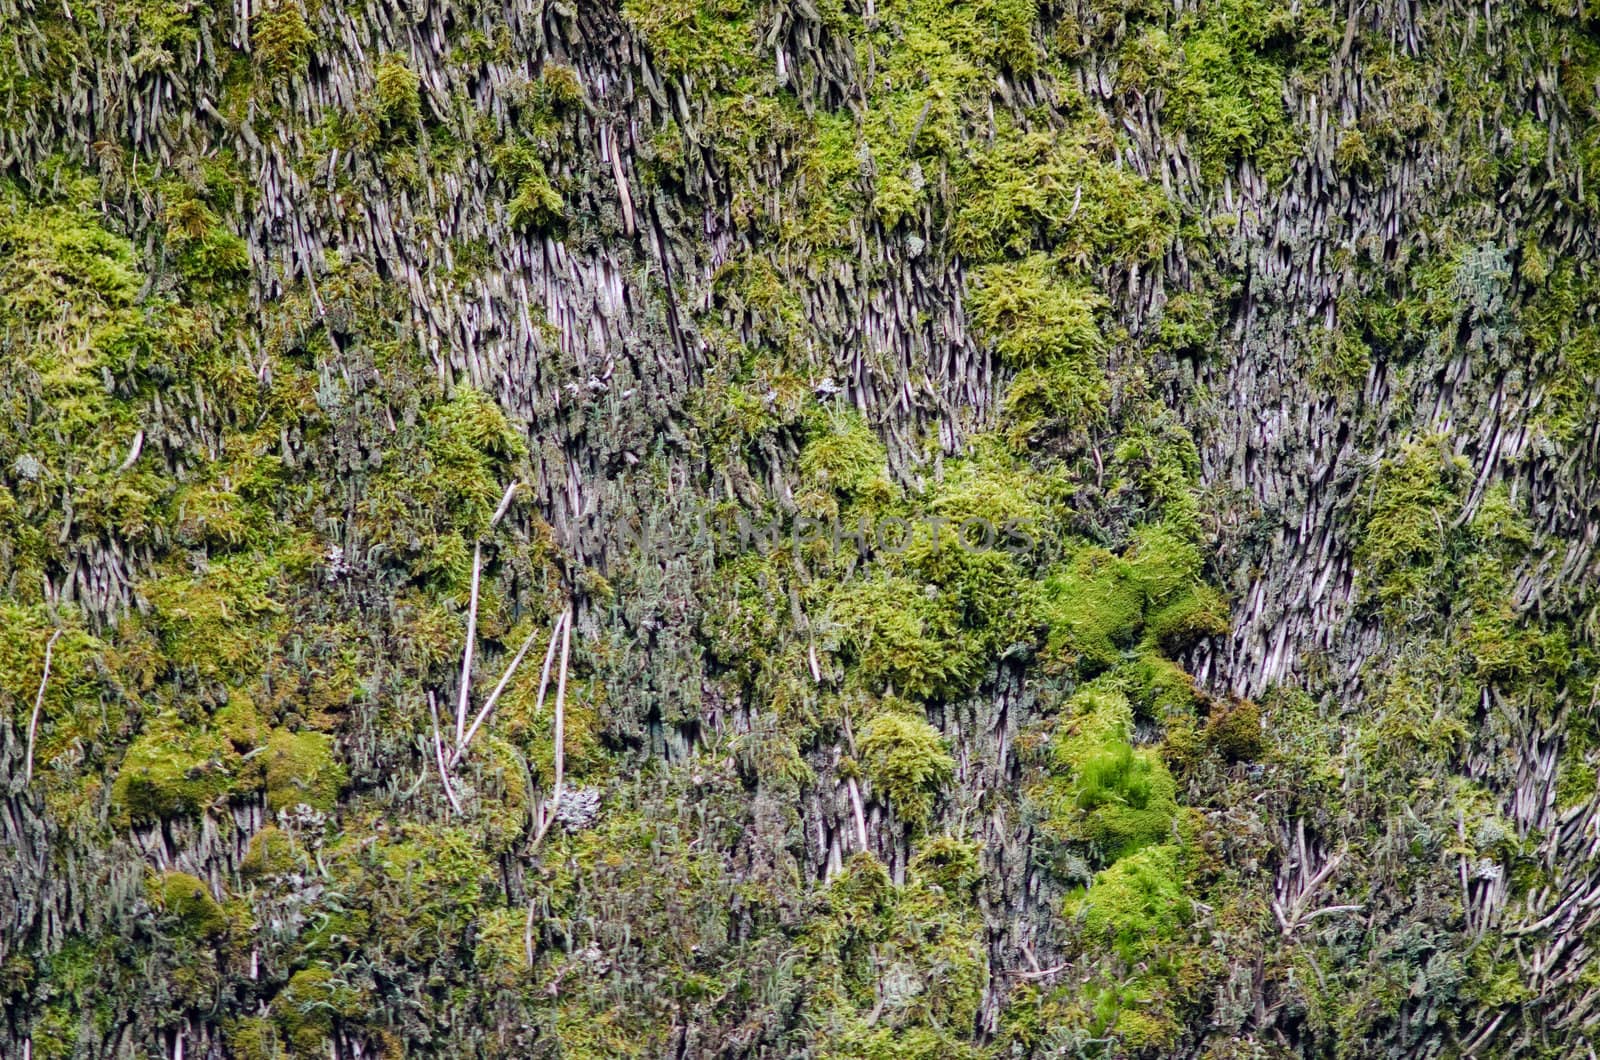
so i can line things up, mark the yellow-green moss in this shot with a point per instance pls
(307, 1006)
(905, 761)
(253, 1038)
(1105, 793)
(1099, 603)
(1138, 903)
(187, 900)
(271, 852)
(172, 770)
(301, 769)
(281, 39)
(1235, 730)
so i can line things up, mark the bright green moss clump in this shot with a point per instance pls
(902, 638)
(186, 899)
(1138, 903)
(281, 39)
(1048, 330)
(688, 37)
(301, 769)
(271, 851)
(1100, 603)
(844, 457)
(905, 761)
(1062, 192)
(173, 770)
(398, 93)
(1105, 793)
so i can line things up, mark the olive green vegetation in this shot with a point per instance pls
(252, 521)
(184, 898)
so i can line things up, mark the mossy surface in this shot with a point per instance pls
(187, 900)
(1075, 521)
(302, 771)
(173, 771)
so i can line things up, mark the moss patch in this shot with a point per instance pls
(301, 769)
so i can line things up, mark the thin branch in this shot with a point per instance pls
(861, 819)
(488, 706)
(134, 451)
(505, 504)
(560, 729)
(549, 658)
(1039, 973)
(466, 651)
(438, 754)
(38, 704)
(1330, 911)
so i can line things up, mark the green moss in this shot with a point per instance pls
(560, 84)
(689, 37)
(1098, 603)
(1063, 193)
(253, 1038)
(271, 852)
(953, 865)
(1095, 607)
(1046, 329)
(1034, 317)
(55, 1034)
(240, 723)
(281, 39)
(301, 770)
(85, 361)
(901, 638)
(422, 885)
(172, 770)
(507, 800)
(219, 624)
(1138, 904)
(912, 955)
(187, 900)
(1103, 792)
(1193, 614)
(845, 457)
(537, 205)
(952, 584)
(307, 1006)
(1160, 688)
(397, 93)
(1401, 548)
(205, 249)
(905, 761)
(85, 705)
(1235, 731)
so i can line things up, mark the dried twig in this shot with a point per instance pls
(505, 679)
(133, 451)
(559, 737)
(38, 704)
(505, 503)
(527, 932)
(466, 650)
(549, 658)
(438, 754)
(861, 818)
(472, 624)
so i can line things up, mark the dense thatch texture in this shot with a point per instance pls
(1078, 523)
